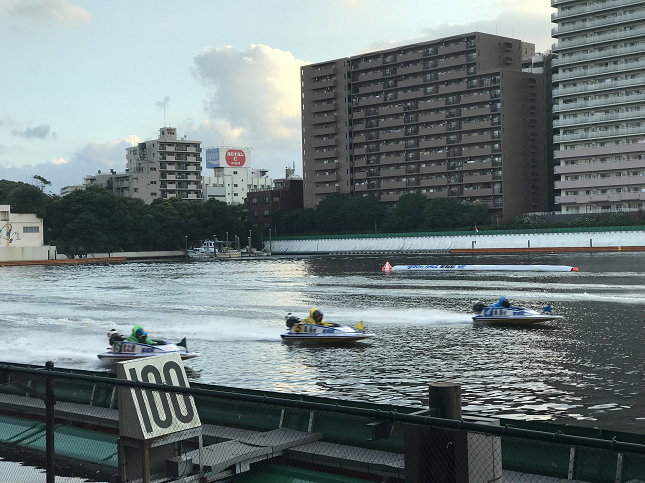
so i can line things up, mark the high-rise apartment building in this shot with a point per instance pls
(163, 168)
(599, 105)
(454, 117)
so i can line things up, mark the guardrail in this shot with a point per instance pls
(252, 436)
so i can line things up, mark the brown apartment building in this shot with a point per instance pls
(454, 117)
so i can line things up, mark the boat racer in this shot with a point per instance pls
(140, 335)
(315, 317)
(502, 302)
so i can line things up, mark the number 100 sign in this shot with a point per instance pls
(145, 414)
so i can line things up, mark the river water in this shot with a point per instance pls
(587, 369)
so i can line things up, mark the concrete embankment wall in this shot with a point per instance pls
(134, 255)
(632, 240)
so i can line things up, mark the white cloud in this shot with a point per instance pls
(7, 121)
(527, 21)
(256, 93)
(61, 11)
(40, 132)
(87, 160)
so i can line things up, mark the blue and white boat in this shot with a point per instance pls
(502, 312)
(123, 350)
(335, 333)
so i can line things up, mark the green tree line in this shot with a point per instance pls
(96, 221)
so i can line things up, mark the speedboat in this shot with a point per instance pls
(123, 350)
(337, 333)
(499, 313)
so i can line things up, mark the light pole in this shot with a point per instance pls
(249, 243)
(270, 244)
(214, 244)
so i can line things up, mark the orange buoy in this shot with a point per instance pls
(387, 267)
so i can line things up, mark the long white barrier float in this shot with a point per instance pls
(486, 268)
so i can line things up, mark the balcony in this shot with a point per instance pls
(599, 118)
(370, 76)
(332, 106)
(479, 138)
(327, 130)
(370, 89)
(471, 126)
(477, 152)
(609, 133)
(600, 86)
(451, 49)
(392, 135)
(442, 168)
(598, 39)
(388, 110)
(415, 81)
(371, 101)
(600, 198)
(432, 156)
(613, 21)
(443, 63)
(389, 160)
(604, 54)
(476, 192)
(411, 95)
(432, 130)
(324, 94)
(361, 187)
(320, 190)
(611, 101)
(325, 142)
(458, 74)
(322, 119)
(410, 56)
(360, 174)
(480, 111)
(390, 198)
(432, 143)
(391, 123)
(619, 182)
(412, 69)
(432, 104)
(326, 178)
(368, 64)
(452, 88)
(476, 97)
(433, 182)
(574, 12)
(440, 116)
(599, 167)
(581, 73)
(388, 148)
(331, 70)
(476, 165)
(332, 153)
(478, 178)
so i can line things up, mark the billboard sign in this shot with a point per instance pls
(212, 158)
(228, 157)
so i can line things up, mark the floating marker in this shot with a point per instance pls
(484, 268)
(387, 267)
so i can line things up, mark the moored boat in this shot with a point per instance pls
(299, 331)
(502, 312)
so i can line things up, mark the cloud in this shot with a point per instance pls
(61, 11)
(164, 103)
(7, 121)
(530, 22)
(256, 91)
(40, 132)
(87, 160)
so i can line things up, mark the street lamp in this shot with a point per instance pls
(186, 245)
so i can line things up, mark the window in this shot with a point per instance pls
(31, 229)
(266, 199)
(235, 185)
(235, 194)
(234, 172)
(254, 200)
(153, 194)
(266, 212)
(153, 182)
(276, 199)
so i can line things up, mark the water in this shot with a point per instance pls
(587, 369)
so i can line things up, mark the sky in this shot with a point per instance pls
(80, 81)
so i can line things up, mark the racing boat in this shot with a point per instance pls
(502, 312)
(336, 333)
(123, 350)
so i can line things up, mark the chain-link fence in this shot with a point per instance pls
(102, 428)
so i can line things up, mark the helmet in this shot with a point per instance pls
(141, 334)
(317, 315)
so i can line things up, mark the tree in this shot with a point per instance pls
(407, 215)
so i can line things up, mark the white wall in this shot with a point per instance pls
(413, 244)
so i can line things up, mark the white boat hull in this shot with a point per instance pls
(513, 315)
(301, 332)
(127, 351)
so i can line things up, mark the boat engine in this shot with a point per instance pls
(291, 320)
(114, 336)
(479, 306)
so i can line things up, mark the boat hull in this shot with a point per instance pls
(536, 319)
(120, 356)
(323, 338)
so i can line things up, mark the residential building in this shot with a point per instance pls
(599, 105)
(21, 237)
(286, 194)
(65, 190)
(454, 117)
(162, 168)
(232, 184)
